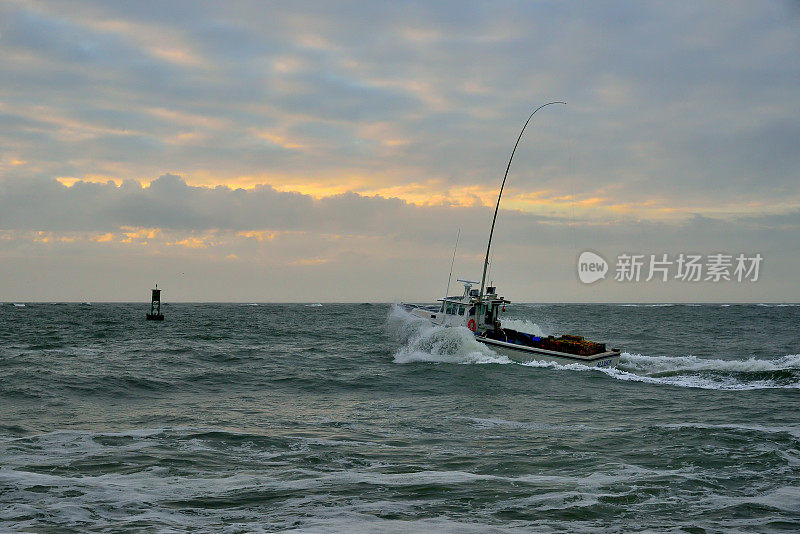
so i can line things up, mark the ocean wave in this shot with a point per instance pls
(184, 478)
(792, 431)
(423, 342)
(164, 501)
(496, 422)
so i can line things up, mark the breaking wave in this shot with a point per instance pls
(423, 342)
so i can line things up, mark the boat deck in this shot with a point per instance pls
(525, 353)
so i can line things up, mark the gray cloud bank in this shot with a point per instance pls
(321, 249)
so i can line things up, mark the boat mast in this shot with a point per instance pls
(450, 276)
(494, 219)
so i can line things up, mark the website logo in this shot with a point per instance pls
(715, 268)
(591, 267)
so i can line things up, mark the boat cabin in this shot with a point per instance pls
(468, 309)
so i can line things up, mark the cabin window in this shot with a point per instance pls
(461, 310)
(450, 310)
(472, 311)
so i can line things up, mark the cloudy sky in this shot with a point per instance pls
(300, 151)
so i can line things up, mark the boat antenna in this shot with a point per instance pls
(447, 292)
(494, 219)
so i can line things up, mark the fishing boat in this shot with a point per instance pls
(479, 310)
(481, 314)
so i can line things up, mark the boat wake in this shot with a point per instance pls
(422, 342)
(700, 373)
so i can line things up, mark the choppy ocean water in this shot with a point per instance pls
(242, 418)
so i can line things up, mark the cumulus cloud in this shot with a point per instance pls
(169, 203)
(665, 102)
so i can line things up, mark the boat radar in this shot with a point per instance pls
(155, 306)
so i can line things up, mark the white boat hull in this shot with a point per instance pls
(519, 353)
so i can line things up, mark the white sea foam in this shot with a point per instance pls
(424, 342)
(658, 305)
(701, 382)
(670, 364)
(692, 372)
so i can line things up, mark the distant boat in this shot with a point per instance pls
(19, 305)
(86, 303)
(316, 305)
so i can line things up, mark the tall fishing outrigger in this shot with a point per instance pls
(479, 311)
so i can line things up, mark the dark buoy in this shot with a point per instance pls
(155, 306)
